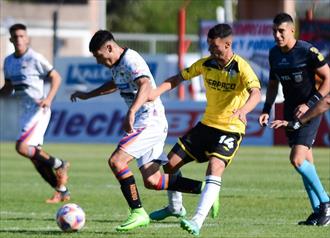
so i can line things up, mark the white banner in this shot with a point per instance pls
(101, 122)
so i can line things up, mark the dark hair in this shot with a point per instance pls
(281, 18)
(220, 31)
(17, 26)
(99, 38)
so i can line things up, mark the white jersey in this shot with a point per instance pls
(150, 127)
(27, 74)
(130, 67)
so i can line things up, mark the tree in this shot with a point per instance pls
(157, 16)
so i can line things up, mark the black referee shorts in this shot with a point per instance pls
(305, 135)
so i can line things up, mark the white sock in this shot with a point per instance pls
(175, 198)
(57, 163)
(61, 188)
(208, 197)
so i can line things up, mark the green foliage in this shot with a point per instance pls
(157, 16)
(262, 196)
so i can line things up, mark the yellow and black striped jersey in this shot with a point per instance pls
(226, 90)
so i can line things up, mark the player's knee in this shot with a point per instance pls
(151, 183)
(294, 162)
(20, 148)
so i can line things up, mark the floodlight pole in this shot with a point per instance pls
(183, 44)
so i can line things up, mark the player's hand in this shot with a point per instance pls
(278, 123)
(241, 114)
(44, 103)
(300, 110)
(263, 119)
(129, 121)
(78, 94)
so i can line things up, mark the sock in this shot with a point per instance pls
(130, 192)
(175, 198)
(46, 173)
(208, 197)
(182, 184)
(61, 188)
(308, 171)
(314, 200)
(57, 162)
(40, 156)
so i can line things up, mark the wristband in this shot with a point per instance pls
(267, 108)
(314, 99)
(294, 125)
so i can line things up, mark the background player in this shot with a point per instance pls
(145, 126)
(232, 91)
(25, 71)
(294, 63)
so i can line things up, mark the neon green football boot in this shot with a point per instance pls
(137, 218)
(165, 212)
(190, 226)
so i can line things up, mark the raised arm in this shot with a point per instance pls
(106, 88)
(167, 85)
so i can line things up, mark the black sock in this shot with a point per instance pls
(185, 185)
(49, 162)
(130, 192)
(46, 172)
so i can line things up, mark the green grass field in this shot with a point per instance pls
(262, 196)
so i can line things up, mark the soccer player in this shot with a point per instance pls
(145, 127)
(294, 63)
(25, 71)
(322, 106)
(232, 91)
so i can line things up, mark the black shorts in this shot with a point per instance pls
(201, 142)
(305, 135)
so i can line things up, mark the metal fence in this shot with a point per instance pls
(155, 43)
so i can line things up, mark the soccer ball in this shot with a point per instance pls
(70, 217)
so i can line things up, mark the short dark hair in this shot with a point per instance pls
(17, 26)
(220, 31)
(99, 38)
(281, 18)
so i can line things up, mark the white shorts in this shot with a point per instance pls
(33, 124)
(146, 144)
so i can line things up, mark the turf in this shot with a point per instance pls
(262, 196)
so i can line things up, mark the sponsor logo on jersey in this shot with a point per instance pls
(222, 86)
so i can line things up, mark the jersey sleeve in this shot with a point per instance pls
(250, 79)
(138, 67)
(317, 59)
(194, 70)
(43, 65)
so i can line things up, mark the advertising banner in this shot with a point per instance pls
(101, 122)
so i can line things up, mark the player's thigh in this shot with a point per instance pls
(34, 125)
(148, 141)
(223, 145)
